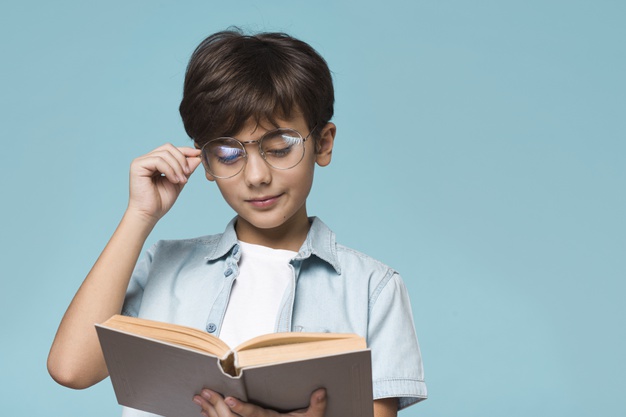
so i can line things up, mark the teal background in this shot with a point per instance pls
(481, 143)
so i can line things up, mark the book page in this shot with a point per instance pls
(170, 333)
(290, 338)
(297, 351)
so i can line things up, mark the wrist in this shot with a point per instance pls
(141, 222)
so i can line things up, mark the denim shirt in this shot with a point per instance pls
(334, 289)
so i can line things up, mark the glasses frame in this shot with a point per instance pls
(259, 141)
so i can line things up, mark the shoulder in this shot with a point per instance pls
(350, 257)
(346, 261)
(184, 248)
(211, 247)
(379, 276)
(208, 241)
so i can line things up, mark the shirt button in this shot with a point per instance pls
(236, 250)
(228, 272)
(211, 327)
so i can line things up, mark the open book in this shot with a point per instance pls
(159, 367)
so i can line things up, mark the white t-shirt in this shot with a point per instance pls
(264, 275)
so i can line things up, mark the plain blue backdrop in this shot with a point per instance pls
(482, 143)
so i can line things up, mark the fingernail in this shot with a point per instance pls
(197, 400)
(182, 178)
(206, 394)
(230, 402)
(321, 396)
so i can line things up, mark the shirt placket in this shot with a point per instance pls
(285, 318)
(218, 310)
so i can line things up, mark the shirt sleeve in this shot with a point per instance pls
(396, 358)
(138, 280)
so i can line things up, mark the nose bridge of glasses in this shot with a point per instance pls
(245, 143)
(256, 168)
(248, 142)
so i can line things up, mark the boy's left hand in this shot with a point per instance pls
(214, 405)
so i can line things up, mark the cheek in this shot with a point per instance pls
(303, 180)
(226, 188)
(308, 161)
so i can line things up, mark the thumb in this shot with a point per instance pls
(194, 162)
(317, 405)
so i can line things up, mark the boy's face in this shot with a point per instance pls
(267, 199)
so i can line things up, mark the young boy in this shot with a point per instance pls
(258, 109)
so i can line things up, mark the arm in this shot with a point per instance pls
(214, 405)
(396, 358)
(156, 180)
(386, 407)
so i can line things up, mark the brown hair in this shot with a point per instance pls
(232, 77)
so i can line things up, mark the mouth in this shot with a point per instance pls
(264, 201)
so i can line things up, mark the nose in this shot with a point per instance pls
(256, 172)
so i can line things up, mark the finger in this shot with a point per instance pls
(190, 152)
(183, 154)
(216, 401)
(317, 404)
(167, 164)
(248, 410)
(189, 158)
(171, 153)
(154, 165)
(206, 409)
(194, 162)
(179, 155)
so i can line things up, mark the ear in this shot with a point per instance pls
(209, 176)
(324, 144)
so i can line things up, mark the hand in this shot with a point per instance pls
(214, 405)
(157, 178)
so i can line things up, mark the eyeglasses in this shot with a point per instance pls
(281, 148)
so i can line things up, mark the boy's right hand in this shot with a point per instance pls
(157, 178)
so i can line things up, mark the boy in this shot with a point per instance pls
(258, 109)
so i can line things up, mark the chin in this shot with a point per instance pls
(266, 224)
(266, 221)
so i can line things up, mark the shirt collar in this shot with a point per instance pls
(320, 241)
(227, 241)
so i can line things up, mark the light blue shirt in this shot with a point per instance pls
(334, 289)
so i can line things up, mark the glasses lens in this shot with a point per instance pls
(283, 148)
(223, 157)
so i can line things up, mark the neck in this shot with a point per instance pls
(289, 235)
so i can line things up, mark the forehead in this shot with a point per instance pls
(256, 128)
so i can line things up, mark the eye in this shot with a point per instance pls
(279, 153)
(227, 155)
(280, 145)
